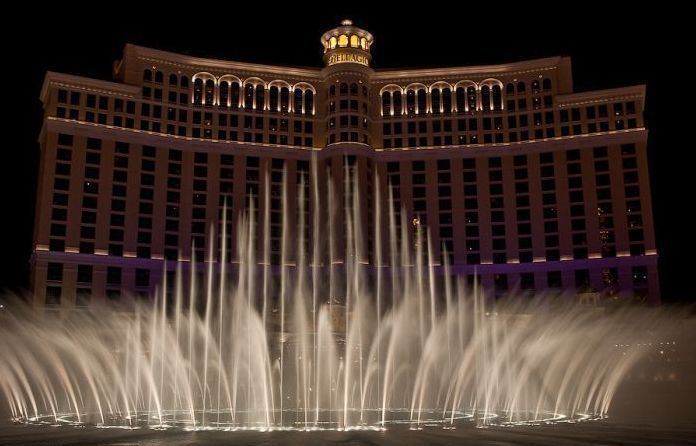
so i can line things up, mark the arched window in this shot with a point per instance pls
(422, 101)
(363, 43)
(147, 75)
(209, 91)
(273, 96)
(546, 84)
(461, 99)
(397, 103)
(471, 98)
(332, 90)
(386, 103)
(284, 99)
(332, 43)
(198, 91)
(173, 80)
(159, 77)
(435, 101)
(234, 95)
(510, 88)
(496, 92)
(353, 89)
(411, 102)
(364, 91)
(228, 91)
(486, 98)
(184, 82)
(343, 89)
(520, 87)
(248, 96)
(297, 103)
(535, 86)
(309, 102)
(446, 101)
(343, 41)
(224, 94)
(260, 94)
(354, 41)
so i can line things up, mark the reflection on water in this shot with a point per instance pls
(601, 432)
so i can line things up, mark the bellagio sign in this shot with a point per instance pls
(337, 58)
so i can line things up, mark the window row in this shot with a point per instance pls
(253, 94)
(445, 98)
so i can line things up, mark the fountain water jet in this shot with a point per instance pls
(330, 341)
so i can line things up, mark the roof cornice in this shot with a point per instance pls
(588, 97)
(222, 66)
(512, 68)
(86, 83)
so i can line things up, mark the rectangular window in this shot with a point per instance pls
(82, 297)
(553, 279)
(54, 272)
(84, 273)
(53, 295)
(113, 275)
(142, 277)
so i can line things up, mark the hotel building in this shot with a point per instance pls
(516, 176)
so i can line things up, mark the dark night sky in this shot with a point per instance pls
(609, 48)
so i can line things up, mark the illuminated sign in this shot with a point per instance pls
(337, 58)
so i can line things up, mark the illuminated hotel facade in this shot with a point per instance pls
(517, 178)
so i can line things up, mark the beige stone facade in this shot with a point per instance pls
(517, 177)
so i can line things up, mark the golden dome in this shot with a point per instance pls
(347, 36)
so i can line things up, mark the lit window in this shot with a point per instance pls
(273, 98)
(224, 94)
(386, 103)
(209, 91)
(309, 102)
(198, 91)
(343, 41)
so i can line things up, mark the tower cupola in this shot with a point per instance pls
(347, 44)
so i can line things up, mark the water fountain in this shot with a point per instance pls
(316, 345)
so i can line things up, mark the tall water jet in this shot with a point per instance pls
(323, 338)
